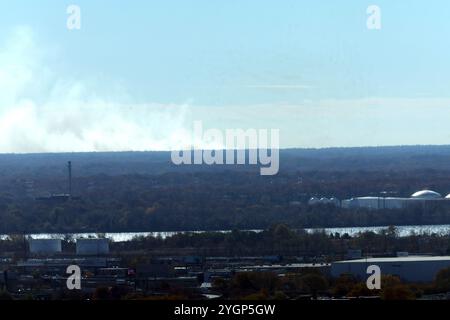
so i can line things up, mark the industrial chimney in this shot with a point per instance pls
(69, 166)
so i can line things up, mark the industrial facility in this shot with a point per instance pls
(408, 268)
(418, 198)
(61, 197)
(333, 201)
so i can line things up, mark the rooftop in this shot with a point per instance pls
(398, 259)
(426, 194)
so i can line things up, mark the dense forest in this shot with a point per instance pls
(144, 191)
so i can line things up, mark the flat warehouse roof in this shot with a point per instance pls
(398, 259)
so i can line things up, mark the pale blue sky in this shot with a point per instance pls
(310, 68)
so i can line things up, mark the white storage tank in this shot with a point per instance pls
(45, 246)
(92, 246)
(313, 201)
(335, 201)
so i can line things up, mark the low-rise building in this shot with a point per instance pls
(407, 268)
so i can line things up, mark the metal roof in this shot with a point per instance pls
(398, 259)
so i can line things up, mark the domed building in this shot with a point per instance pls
(417, 198)
(426, 194)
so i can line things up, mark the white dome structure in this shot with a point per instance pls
(334, 201)
(324, 200)
(448, 196)
(426, 194)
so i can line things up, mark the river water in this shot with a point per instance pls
(127, 236)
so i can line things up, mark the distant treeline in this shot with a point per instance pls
(129, 191)
(219, 201)
(396, 158)
(281, 240)
(278, 240)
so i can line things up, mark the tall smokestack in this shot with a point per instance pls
(69, 166)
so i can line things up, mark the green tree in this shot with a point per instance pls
(313, 283)
(442, 280)
(343, 285)
(393, 289)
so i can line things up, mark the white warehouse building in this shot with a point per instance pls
(409, 269)
(417, 198)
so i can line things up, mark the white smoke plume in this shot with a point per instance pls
(42, 111)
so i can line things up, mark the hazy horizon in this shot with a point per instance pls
(281, 149)
(136, 79)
